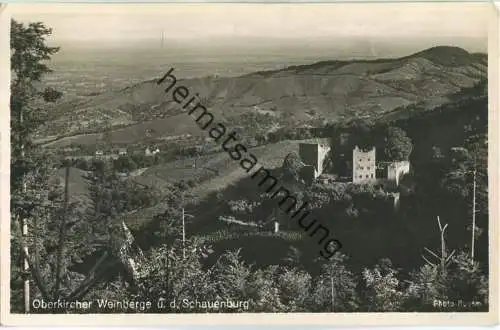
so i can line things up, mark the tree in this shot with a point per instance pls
(384, 292)
(463, 281)
(292, 258)
(29, 53)
(124, 164)
(106, 135)
(101, 213)
(294, 289)
(263, 291)
(35, 204)
(335, 289)
(50, 94)
(458, 167)
(169, 223)
(398, 145)
(466, 280)
(169, 276)
(82, 164)
(292, 165)
(65, 239)
(463, 186)
(231, 276)
(426, 285)
(361, 134)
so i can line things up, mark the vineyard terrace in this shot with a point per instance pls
(248, 162)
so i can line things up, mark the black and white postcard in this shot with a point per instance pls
(225, 163)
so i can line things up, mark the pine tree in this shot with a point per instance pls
(170, 276)
(384, 291)
(29, 53)
(231, 276)
(335, 289)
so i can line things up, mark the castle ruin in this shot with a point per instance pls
(314, 154)
(396, 170)
(363, 166)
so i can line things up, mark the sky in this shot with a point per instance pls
(204, 22)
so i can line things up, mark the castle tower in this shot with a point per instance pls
(363, 166)
(314, 154)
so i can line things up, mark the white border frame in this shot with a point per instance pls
(295, 319)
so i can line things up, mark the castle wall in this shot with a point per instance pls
(322, 153)
(363, 166)
(314, 154)
(396, 170)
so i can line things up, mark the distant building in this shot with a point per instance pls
(363, 166)
(395, 170)
(122, 152)
(99, 153)
(151, 151)
(314, 153)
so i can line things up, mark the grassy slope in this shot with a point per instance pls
(229, 172)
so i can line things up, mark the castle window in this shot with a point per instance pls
(368, 168)
(368, 159)
(367, 176)
(361, 177)
(372, 176)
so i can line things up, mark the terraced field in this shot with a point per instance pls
(214, 172)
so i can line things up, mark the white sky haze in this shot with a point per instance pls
(95, 22)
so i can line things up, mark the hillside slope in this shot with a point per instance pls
(331, 90)
(215, 173)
